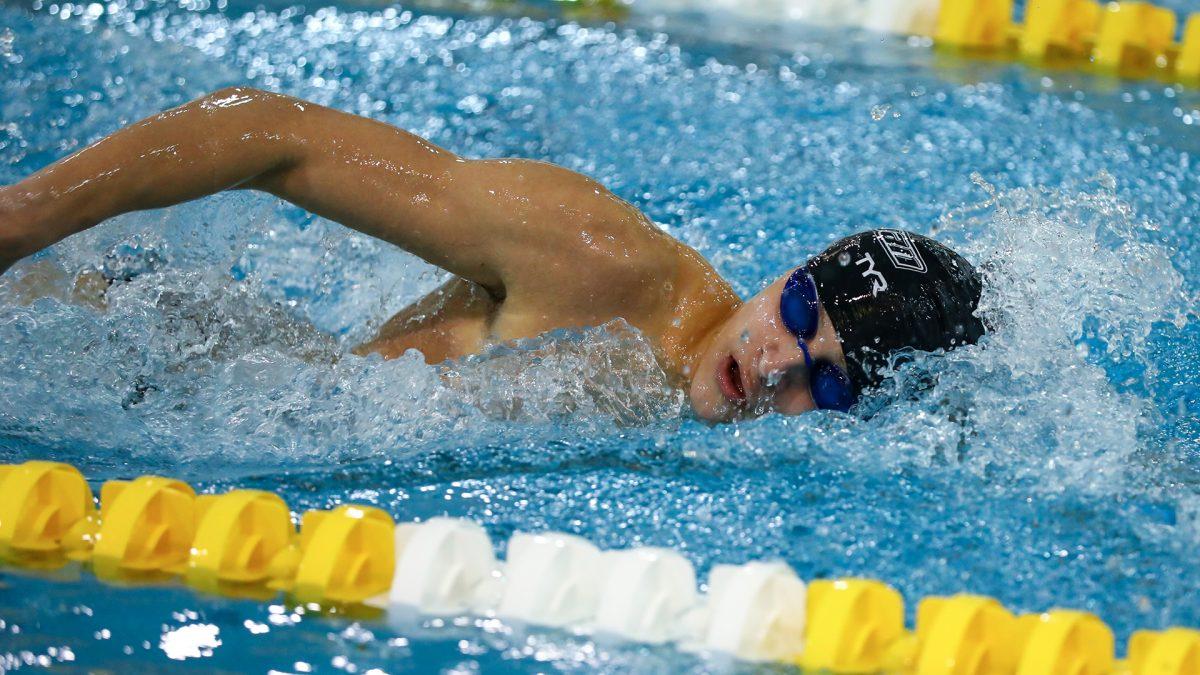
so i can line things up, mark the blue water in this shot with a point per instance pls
(1057, 464)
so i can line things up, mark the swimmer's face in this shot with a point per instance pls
(752, 364)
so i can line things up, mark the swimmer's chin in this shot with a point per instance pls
(731, 415)
(713, 414)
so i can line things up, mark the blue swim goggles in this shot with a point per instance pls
(830, 385)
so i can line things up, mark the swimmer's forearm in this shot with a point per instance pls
(208, 145)
(487, 221)
(365, 174)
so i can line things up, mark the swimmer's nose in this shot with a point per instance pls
(779, 358)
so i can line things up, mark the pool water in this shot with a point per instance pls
(1056, 464)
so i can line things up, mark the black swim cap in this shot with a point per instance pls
(888, 290)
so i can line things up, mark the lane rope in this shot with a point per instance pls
(244, 543)
(1129, 39)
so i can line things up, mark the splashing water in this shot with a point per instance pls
(1072, 295)
(1055, 464)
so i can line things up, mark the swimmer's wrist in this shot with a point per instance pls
(30, 221)
(18, 227)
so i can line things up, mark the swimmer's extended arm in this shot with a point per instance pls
(482, 220)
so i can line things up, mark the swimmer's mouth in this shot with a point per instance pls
(729, 379)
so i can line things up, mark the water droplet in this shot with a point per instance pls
(880, 111)
(472, 104)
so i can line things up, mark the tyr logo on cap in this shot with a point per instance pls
(901, 250)
(878, 283)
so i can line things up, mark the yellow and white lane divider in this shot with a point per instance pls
(244, 542)
(1124, 38)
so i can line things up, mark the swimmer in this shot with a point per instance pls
(532, 247)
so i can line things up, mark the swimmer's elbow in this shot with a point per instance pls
(253, 110)
(237, 98)
(262, 122)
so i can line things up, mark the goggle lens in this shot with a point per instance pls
(831, 388)
(798, 307)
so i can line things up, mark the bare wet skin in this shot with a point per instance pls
(533, 247)
(1025, 473)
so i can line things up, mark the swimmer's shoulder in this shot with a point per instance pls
(573, 253)
(563, 225)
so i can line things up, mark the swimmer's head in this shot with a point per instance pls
(877, 293)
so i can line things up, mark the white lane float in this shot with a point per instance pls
(443, 566)
(550, 579)
(754, 611)
(645, 594)
(901, 17)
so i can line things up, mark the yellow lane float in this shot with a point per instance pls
(40, 502)
(1187, 65)
(974, 24)
(1064, 641)
(959, 635)
(1059, 28)
(238, 535)
(851, 625)
(245, 543)
(1120, 38)
(1134, 36)
(1170, 652)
